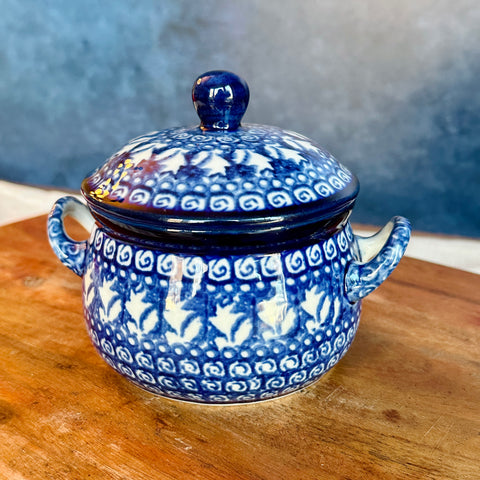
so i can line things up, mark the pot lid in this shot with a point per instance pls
(221, 177)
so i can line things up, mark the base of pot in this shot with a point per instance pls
(261, 394)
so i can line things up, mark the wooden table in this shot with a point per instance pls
(404, 403)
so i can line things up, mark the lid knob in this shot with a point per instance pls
(220, 99)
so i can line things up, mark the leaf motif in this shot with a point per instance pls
(135, 306)
(185, 329)
(211, 161)
(221, 342)
(173, 338)
(301, 144)
(239, 156)
(336, 310)
(192, 330)
(172, 159)
(243, 332)
(114, 308)
(200, 157)
(133, 328)
(140, 155)
(175, 315)
(261, 162)
(150, 322)
(284, 153)
(319, 306)
(325, 310)
(279, 318)
(105, 291)
(141, 145)
(143, 313)
(311, 326)
(312, 301)
(289, 154)
(216, 164)
(288, 322)
(225, 319)
(109, 299)
(268, 311)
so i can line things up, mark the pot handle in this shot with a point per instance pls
(70, 252)
(378, 257)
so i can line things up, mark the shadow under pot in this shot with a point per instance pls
(221, 265)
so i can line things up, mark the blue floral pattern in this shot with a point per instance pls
(254, 168)
(70, 252)
(219, 329)
(363, 277)
(222, 320)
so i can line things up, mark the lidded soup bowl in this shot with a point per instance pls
(221, 265)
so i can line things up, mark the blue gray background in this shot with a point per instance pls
(391, 88)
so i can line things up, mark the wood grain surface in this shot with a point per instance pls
(404, 403)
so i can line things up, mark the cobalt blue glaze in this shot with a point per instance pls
(72, 254)
(223, 328)
(219, 328)
(216, 329)
(379, 267)
(253, 180)
(221, 265)
(221, 99)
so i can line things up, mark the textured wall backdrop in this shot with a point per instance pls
(391, 88)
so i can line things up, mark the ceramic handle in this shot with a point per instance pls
(70, 252)
(378, 257)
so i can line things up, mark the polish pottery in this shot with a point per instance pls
(221, 265)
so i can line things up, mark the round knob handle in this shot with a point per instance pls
(220, 99)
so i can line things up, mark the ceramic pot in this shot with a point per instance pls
(221, 265)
